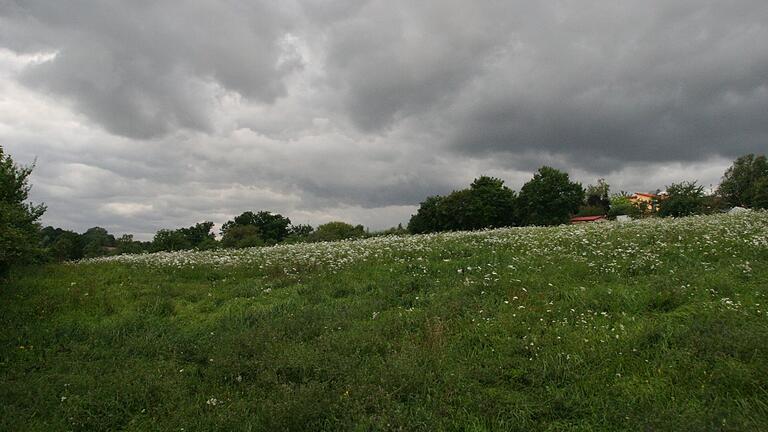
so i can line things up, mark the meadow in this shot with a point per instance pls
(652, 325)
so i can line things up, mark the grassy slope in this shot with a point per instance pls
(653, 326)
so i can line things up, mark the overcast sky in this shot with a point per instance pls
(150, 114)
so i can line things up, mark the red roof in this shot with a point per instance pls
(586, 219)
(646, 195)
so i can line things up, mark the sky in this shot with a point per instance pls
(155, 114)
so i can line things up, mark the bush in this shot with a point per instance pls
(333, 231)
(621, 205)
(19, 226)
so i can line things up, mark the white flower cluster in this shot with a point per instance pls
(645, 245)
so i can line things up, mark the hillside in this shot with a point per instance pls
(659, 324)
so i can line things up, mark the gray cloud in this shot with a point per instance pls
(150, 114)
(144, 69)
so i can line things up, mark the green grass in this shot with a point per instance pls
(659, 325)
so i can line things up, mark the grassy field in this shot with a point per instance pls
(644, 326)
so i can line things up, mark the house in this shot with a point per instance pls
(585, 219)
(647, 201)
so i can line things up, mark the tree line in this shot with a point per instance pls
(549, 198)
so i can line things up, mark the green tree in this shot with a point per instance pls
(333, 231)
(597, 199)
(273, 228)
(683, 199)
(199, 233)
(744, 183)
(621, 205)
(550, 198)
(19, 220)
(427, 217)
(96, 242)
(67, 246)
(127, 245)
(242, 236)
(486, 203)
(298, 233)
(170, 240)
(491, 204)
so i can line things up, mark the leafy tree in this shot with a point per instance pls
(621, 204)
(550, 198)
(760, 195)
(67, 246)
(597, 198)
(491, 204)
(683, 199)
(242, 236)
(486, 203)
(96, 240)
(298, 233)
(273, 228)
(333, 231)
(127, 245)
(198, 233)
(19, 220)
(170, 240)
(427, 218)
(744, 183)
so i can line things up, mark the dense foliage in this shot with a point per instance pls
(550, 198)
(19, 220)
(334, 231)
(745, 183)
(683, 199)
(486, 203)
(273, 228)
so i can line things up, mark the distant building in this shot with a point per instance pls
(585, 219)
(647, 201)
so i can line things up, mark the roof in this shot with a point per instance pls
(647, 195)
(578, 219)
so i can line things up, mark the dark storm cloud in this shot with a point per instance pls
(150, 114)
(142, 69)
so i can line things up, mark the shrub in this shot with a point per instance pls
(333, 231)
(19, 226)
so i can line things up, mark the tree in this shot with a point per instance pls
(486, 203)
(744, 183)
(68, 246)
(621, 204)
(491, 204)
(96, 240)
(427, 217)
(298, 233)
(550, 198)
(242, 236)
(597, 199)
(683, 199)
(127, 245)
(19, 220)
(273, 228)
(170, 240)
(333, 231)
(199, 233)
